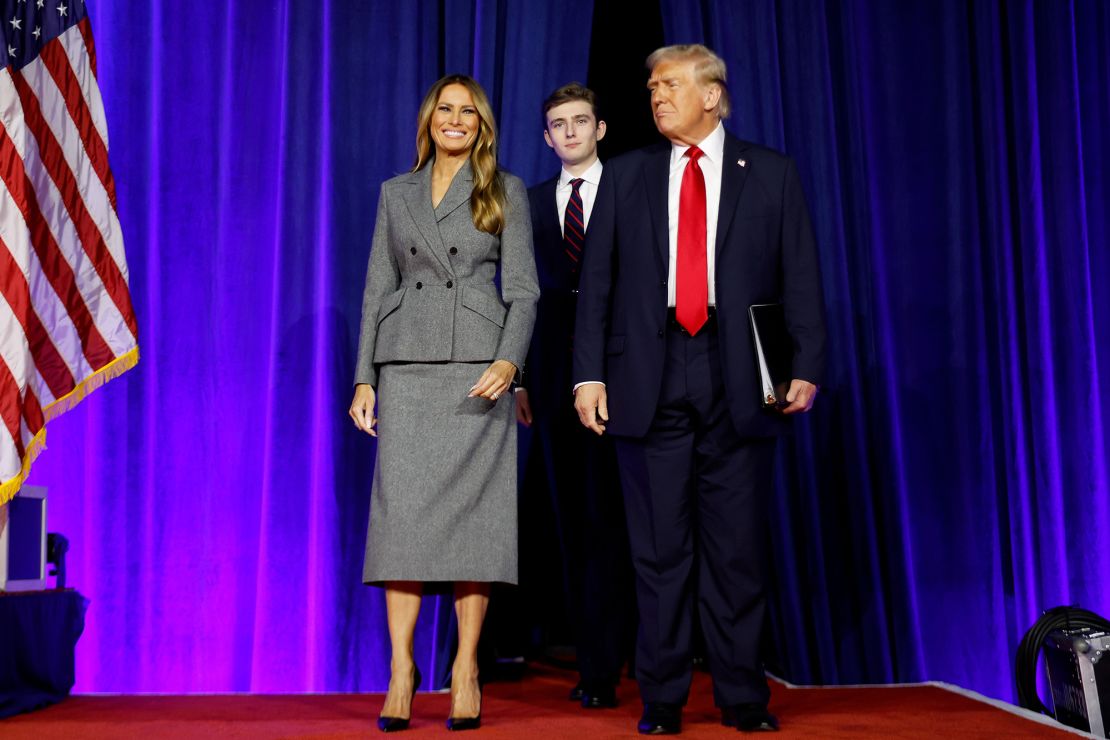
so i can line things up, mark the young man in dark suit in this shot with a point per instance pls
(580, 468)
(685, 236)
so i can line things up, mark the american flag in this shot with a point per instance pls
(66, 321)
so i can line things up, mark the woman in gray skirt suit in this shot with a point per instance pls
(438, 349)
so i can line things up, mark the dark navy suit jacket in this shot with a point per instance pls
(765, 253)
(548, 369)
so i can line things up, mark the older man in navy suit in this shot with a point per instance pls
(685, 236)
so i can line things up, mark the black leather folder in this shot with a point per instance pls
(774, 352)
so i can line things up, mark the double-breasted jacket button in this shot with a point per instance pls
(453, 250)
(419, 285)
(450, 284)
(412, 249)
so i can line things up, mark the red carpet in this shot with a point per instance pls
(534, 708)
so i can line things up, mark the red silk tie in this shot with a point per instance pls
(691, 273)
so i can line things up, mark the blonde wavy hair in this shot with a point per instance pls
(487, 199)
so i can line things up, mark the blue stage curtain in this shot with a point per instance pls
(952, 482)
(216, 497)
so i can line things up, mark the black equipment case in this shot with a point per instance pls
(1078, 662)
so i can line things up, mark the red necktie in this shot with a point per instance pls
(574, 225)
(691, 275)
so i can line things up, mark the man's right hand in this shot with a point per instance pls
(591, 403)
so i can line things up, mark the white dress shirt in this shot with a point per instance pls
(713, 148)
(588, 191)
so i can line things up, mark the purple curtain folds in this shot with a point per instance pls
(953, 481)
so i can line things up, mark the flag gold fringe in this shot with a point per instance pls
(59, 406)
(112, 370)
(9, 488)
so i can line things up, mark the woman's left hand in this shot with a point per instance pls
(494, 381)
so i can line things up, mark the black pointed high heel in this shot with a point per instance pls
(396, 724)
(458, 724)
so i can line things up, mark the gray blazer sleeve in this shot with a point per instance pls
(382, 278)
(519, 285)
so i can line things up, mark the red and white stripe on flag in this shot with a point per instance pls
(66, 321)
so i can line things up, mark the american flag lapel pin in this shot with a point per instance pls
(742, 162)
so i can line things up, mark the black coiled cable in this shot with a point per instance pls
(1065, 618)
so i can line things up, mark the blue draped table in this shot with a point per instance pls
(38, 635)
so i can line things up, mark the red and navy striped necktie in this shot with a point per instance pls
(574, 225)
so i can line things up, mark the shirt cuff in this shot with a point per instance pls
(586, 382)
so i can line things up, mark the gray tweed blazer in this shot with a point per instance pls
(430, 294)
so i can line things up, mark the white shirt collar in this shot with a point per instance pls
(592, 175)
(712, 146)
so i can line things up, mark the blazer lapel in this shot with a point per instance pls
(418, 199)
(734, 172)
(656, 181)
(457, 194)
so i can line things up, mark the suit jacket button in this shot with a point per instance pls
(450, 284)
(660, 332)
(454, 250)
(413, 250)
(419, 285)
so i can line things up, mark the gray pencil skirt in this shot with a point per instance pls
(443, 506)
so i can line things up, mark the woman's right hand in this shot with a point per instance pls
(362, 409)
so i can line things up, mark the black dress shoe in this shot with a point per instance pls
(396, 724)
(749, 718)
(660, 719)
(576, 693)
(599, 697)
